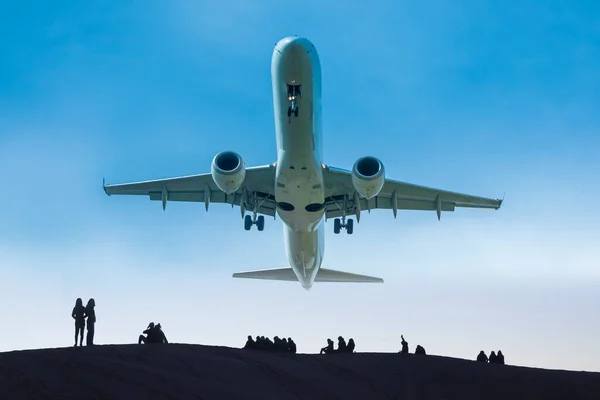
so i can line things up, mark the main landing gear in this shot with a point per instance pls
(254, 220)
(294, 91)
(339, 224)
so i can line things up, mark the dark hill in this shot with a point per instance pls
(179, 371)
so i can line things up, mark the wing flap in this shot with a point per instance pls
(380, 202)
(406, 196)
(201, 188)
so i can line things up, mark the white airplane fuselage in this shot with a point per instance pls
(299, 189)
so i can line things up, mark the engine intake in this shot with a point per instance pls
(228, 171)
(368, 176)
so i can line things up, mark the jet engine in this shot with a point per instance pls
(368, 176)
(228, 171)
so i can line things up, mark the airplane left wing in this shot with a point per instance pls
(341, 197)
(257, 190)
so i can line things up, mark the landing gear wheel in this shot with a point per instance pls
(349, 227)
(260, 223)
(296, 112)
(289, 111)
(337, 225)
(247, 222)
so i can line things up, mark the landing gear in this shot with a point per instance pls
(255, 219)
(293, 108)
(339, 224)
(258, 221)
(294, 92)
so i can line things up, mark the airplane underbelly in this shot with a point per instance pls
(299, 193)
(304, 251)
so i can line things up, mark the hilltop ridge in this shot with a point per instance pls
(184, 371)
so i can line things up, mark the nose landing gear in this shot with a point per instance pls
(294, 92)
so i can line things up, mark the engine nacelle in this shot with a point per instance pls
(228, 171)
(368, 176)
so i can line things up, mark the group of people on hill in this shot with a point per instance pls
(276, 345)
(81, 315)
(342, 346)
(493, 359)
(154, 334)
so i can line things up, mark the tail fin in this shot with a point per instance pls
(324, 275)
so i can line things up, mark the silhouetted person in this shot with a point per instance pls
(78, 315)
(148, 333)
(291, 346)
(279, 345)
(493, 358)
(250, 343)
(90, 314)
(269, 344)
(350, 347)
(260, 343)
(500, 358)
(160, 335)
(285, 347)
(341, 345)
(420, 350)
(329, 348)
(481, 357)
(404, 345)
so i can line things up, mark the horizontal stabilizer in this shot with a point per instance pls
(280, 274)
(324, 275)
(330, 275)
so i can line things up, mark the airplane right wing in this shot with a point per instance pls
(341, 197)
(257, 190)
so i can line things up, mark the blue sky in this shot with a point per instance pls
(470, 96)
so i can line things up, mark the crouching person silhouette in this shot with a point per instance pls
(154, 334)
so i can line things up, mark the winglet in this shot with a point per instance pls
(500, 201)
(104, 186)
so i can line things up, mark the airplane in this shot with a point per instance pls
(299, 188)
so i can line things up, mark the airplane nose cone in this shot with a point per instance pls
(293, 45)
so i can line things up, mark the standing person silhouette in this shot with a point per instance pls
(78, 315)
(90, 313)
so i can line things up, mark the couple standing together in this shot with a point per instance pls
(79, 314)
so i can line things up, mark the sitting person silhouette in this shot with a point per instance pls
(500, 358)
(250, 343)
(481, 357)
(329, 348)
(341, 345)
(404, 345)
(350, 347)
(291, 346)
